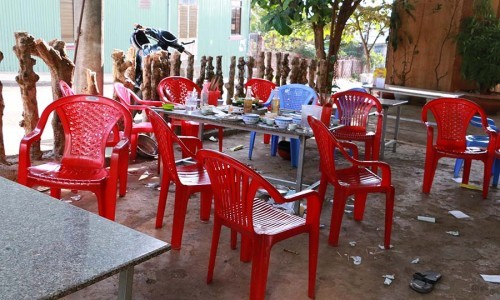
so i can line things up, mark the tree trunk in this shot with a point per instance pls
(61, 68)
(312, 73)
(3, 160)
(269, 67)
(89, 47)
(176, 64)
(91, 87)
(160, 68)
(240, 87)
(120, 66)
(203, 65)
(295, 73)
(285, 69)
(278, 68)
(218, 72)
(230, 82)
(27, 78)
(210, 68)
(190, 67)
(261, 65)
(250, 65)
(319, 41)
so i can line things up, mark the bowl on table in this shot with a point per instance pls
(251, 118)
(283, 122)
(296, 119)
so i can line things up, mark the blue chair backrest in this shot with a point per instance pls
(358, 89)
(476, 122)
(293, 96)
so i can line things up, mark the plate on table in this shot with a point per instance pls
(267, 126)
(230, 118)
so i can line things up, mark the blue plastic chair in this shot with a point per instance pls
(496, 166)
(480, 141)
(292, 97)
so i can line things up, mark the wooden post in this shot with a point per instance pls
(146, 77)
(120, 67)
(61, 68)
(160, 68)
(278, 68)
(3, 159)
(303, 71)
(294, 74)
(27, 78)
(312, 73)
(269, 68)
(285, 70)
(190, 67)
(240, 87)
(210, 68)
(250, 65)
(91, 87)
(203, 65)
(176, 65)
(230, 82)
(261, 67)
(218, 72)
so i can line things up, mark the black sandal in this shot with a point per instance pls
(431, 277)
(421, 286)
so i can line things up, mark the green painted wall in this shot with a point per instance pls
(40, 18)
(214, 22)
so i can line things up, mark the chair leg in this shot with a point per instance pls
(466, 175)
(234, 238)
(294, 152)
(359, 206)
(488, 165)
(180, 209)
(213, 249)
(133, 146)
(274, 144)
(429, 171)
(55, 193)
(496, 172)
(123, 178)
(162, 201)
(339, 200)
(323, 183)
(313, 259)
(221, 138)
(260, 267)
(205, 205)
(458, 165)
(246, 248)
(251, 144)
(267, 138)
(389, 211)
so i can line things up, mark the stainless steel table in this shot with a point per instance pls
(211, 119)
(49, 249)
(386, 105)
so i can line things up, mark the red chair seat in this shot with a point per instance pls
(191, 175)
(268, 220)
(54, 172)
(358, 178)
(349, 134)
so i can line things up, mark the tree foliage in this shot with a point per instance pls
(283, 14)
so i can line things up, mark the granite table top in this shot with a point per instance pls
(49, 249)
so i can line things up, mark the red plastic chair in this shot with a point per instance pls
(66, 90)
(234, 188)
(357, 179)
(261, 88)
(188, 179)
(174, 89)
(354, 109)
(452, 118)
(87, 121)
(125, 95)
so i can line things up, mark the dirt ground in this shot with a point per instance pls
(461, 259)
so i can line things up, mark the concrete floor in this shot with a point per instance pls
(181, 274)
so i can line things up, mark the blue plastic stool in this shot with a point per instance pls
(292, 97)
(476, 141)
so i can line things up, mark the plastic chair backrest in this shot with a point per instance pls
(293, 96)
(452, 117)
(234, 186)
(357, 89)
(175, 89)
(354, 108)
(125, 94)
(166, 139)
(261, 88)
(87, 122)
(327, 144)
(66, 90)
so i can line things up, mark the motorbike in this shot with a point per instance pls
(148, 40)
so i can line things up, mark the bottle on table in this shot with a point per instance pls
(275, 103)
(204, 93)
(248, 101)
